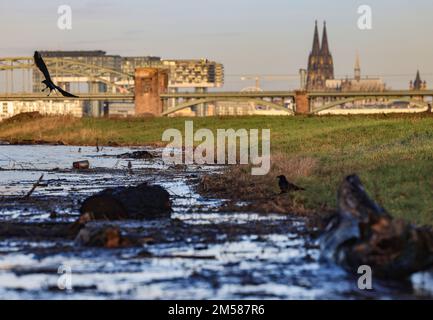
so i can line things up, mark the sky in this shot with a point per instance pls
(271, 37)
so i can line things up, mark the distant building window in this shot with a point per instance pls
(5, 107)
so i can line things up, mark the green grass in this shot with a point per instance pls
(392, 154)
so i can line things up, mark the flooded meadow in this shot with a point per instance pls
(197, 252)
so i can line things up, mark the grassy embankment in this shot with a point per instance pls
(392, 154)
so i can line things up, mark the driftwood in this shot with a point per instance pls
(363, 233)
(81, 165)
(37, 183)
(139, 202)
(136, 155)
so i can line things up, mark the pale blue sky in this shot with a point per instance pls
(247, 36)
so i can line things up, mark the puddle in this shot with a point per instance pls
(200, 253)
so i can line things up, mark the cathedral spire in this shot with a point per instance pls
(325, 46)
(316, 43)
(320, 63)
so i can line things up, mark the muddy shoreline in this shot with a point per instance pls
(203, 251)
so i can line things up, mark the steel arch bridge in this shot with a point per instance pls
(74, 70)
(390, 100)
(264, 98)
(197, 102)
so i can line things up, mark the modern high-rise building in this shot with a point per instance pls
(320, 62)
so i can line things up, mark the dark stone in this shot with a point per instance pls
(141, 202)
(136, 155)
(104, 237)
(363, 233)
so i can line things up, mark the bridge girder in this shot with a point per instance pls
(360, 98)
(201, 101)
(90, 76)
(71, 67)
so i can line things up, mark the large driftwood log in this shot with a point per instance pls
(363, 233)
(139, 202)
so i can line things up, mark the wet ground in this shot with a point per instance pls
(198, 253)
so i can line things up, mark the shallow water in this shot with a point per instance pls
(198, 253)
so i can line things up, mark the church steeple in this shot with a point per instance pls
(418, 84)
(320, 62)
(316, 43)
(325, 46)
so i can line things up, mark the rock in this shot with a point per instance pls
(81, 165)
(363, 233)
(104, 237)
(141, 202)
(136, 155)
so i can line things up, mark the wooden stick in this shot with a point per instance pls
(34, 187)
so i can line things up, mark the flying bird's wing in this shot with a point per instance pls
(65, 93)
(40, 63)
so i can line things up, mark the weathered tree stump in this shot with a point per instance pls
(363, 233)
(141, 202)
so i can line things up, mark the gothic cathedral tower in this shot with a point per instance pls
(320, 62)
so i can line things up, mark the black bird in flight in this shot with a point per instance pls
(286, 186)
(40, 63)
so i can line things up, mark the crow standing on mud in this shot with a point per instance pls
(286, 186)
(48, 82)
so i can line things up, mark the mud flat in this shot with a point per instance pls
(197, 252)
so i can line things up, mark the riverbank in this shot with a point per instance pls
(196, 253)
(393, 154)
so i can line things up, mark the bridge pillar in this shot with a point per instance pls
(150, 83)
(302, 102)
(171, 103)
(95, 108)
(201, 109)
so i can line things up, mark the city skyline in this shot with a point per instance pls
(250, 38)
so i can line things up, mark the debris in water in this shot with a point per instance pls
(130, 167)
(81, 165)
(363, 233)
(34, 187)
(106, 237)
(136, 155)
